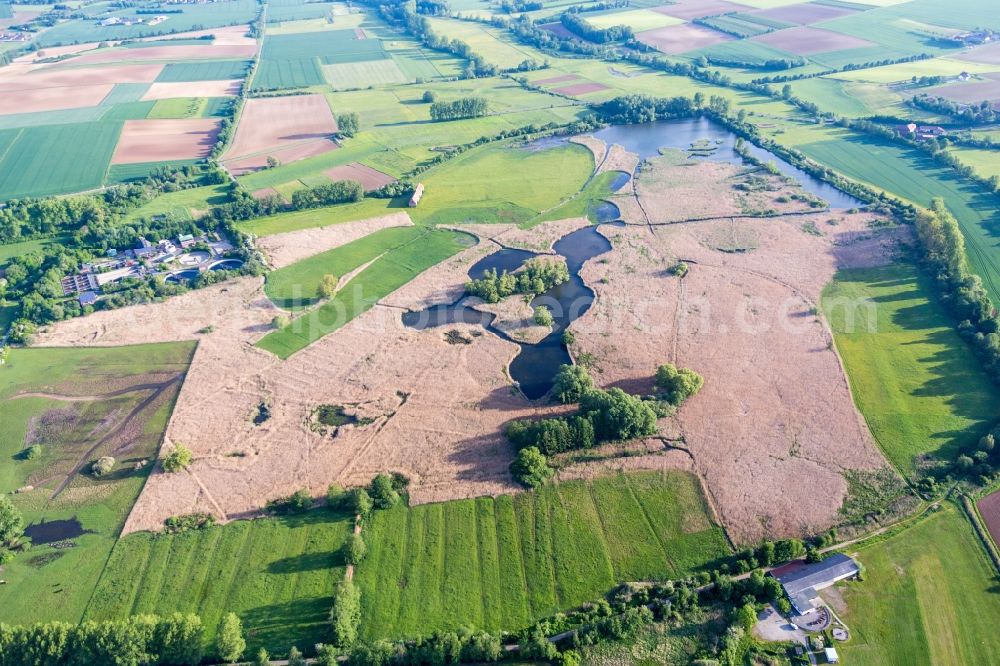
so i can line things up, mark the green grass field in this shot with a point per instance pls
(917, 383)
(189, 107)
(210, 70)
(394, 269)
(48, 583)
(180, 204)
(55, 159)
(911, 175)
(297, 60)
(277, 574)
(500, 563)
(929, 597)
(294, 287)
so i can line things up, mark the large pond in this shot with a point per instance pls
(536, 364)
(646, 139)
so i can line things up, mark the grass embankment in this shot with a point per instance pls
(929, 597)
(914, 379)
(399, 263)
(501, 563)
(49, 583)
(277, 574)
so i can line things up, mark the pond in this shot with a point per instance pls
(646, 139)
(535, 364)
(54, 530)
(181, 276)
(227, 265)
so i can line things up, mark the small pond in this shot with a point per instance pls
(646, 139)
(535, 364)
(227, 265)
(182, 276)
(54, 530)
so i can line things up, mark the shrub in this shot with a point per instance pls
(530, 468)
(346, 613)
(571, 382)
(280, 321)
(295, 657)
(355, 549)
(178, 459)
(102, 466)
(680, 269)
(262, 659)
(361, 502)
(336, 496)
(298, 502)
(187, 522)
(678, 384)
(543, 317)
(230, 644)
(383, 492)
(327, 286)
(35, 450)
(429, 97)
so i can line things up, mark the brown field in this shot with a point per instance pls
(288, 128)
(556, 79)
(233, 35)
(370, 179)
(559, 30)
(775, 425)
(971, 93)
(444, 434)
(675, 39)
(988, 54)
(580, 89)
(50, 99)
(805, 13)
(989, 509)
(19, 79)
(692, 9)
(193, 89)
(163, 140)
(808, 41)
(166, 53)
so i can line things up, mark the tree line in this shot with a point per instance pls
(464, 107)
(578, 25)
(983, 113)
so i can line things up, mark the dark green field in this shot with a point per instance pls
(500, 563)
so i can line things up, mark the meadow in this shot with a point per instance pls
(296, 60)
(929, 597)
(396, 267)
(916, 382)
(502, 562)
(211, 70)
(56, 583)
(277, 574)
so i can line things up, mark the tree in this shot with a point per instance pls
(327, 286)
(102, 466)
(355, 549)
(295, 657)
(746, 617)
(262, 659)
(346, 613)
(383, 492)
(530, 468)
(678, 384)
(11, 527)
(230, 643)
(178, 639)
(570, 383)
(347, 124)
(336, 496)
(280, 321)
(178, 459)
(429, 97)
(543, 317)
(617, 416)
(361, 502)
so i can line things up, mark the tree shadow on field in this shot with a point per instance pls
(276, 627)
(307, 562)
(483, 458)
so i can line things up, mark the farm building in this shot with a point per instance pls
(418, 193)
(921, 132)
(831, 655)
(802, 582)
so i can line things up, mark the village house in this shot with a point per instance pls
(921, 132)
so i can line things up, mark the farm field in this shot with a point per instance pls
(927, 598)
(914, 379)
(397, 266)
(277, 574)
(500, 563)
(44, 402)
